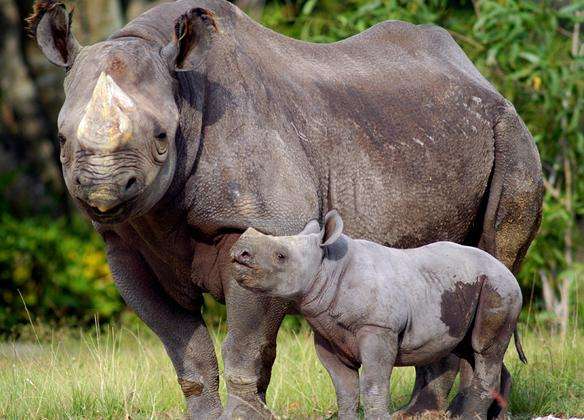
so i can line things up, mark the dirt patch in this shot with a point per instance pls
(457, 306)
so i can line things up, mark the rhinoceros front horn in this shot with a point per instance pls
(106, 123)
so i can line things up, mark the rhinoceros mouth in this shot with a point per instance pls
(116, 214)
(243, 264)
(248, 282)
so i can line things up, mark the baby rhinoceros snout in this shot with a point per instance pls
(248, 253)
(243, 256)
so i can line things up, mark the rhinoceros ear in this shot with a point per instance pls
(332, 229)
(193, 34)
(50, 24)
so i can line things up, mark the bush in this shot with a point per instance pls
(58, 270)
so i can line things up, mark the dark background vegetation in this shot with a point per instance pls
(532, 51)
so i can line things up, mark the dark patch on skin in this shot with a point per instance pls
(116, 66)
(456, 305)
(490, 298)
(190, 388)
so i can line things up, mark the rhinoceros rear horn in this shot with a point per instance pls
(50, 24)
(193, 34)
(310, 228)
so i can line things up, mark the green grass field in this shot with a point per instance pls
(124, 372)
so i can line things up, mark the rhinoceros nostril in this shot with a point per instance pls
(243, 257)
(130, 184)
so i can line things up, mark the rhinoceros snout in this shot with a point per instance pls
(106, 199)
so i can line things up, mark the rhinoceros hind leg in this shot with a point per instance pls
(498, 409)
(488, 389)
(513, 213)
(432, 386)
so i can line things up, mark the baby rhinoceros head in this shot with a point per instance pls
(283, 266)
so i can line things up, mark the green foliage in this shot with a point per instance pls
(59, 270)
(530, 54)
(331, 20)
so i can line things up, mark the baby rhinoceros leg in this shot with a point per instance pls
(432, 386)
(378, 348)
(345, 379)
(496, 318)
(498, 409)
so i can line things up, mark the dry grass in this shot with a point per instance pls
(125, 372)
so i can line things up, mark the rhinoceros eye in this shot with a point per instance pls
(63, 152)
(281, 257)
(161, 143)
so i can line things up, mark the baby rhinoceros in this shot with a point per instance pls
(376, 307)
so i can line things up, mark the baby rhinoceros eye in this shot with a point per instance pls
(280, 257)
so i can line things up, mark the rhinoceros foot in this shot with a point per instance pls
(246, 410)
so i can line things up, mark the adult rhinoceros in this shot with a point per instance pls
(193, 122)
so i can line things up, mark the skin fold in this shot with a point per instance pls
(193, 122)
(373, 307)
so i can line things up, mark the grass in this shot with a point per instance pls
(124, 372)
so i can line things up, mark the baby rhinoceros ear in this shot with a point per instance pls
(332, 229)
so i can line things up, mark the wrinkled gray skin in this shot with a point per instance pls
(374, 307)
(178, 137)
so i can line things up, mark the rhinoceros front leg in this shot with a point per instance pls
(183, 333)
(249, 350)
(345, 379)
(378, 348)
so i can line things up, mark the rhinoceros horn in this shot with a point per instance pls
(106, 124)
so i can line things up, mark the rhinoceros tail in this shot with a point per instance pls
(519, 347)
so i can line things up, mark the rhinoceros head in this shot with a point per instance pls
(284, 266)
(118, 123)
